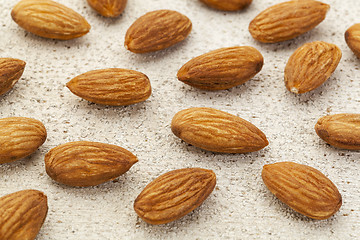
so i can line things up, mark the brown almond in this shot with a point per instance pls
(287, 20)
(340, 130)
(22, 214)
(84, 164)
(227, 5)
(11, 70)
(20, 137)
(222, 68)
(174, 194)
(310, 66)
(113, 86)
(352, 37)
(217, 131)
(157, 30)
(303, 188)
(49, 19)
(108, 8)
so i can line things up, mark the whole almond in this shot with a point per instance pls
(227, 5)
(11, 70)
(157, 30)
(49, 19)
(222, 69)
(108, 8)
(352, 37)
(20, 137)
(217, 131)
(310, 66)
(112, 86)
(303, 188)
(174, 194)
(83, 164)
(340, 130)
(22, 214)
(287, 20)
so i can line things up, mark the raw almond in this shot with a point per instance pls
(227, 5)
(222, 69)
(352, 37)
(22, 214)
(287, 20)
(310, 66)
(49, 19)
(108, 8)
(113, 86)
(11, 70)
(83, 164)
(157, 30)
(174, 194)
(217, 131)
(303, 188)
(20, 137)
(340, 130)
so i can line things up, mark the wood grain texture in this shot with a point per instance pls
(227, 5)
(352, 38)
(11, 70)
(108, 8)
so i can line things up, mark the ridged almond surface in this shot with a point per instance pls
(11, 70)
(222, 69)
(20, 137)
(227, 5)
(22, 214)
(310, 66)
(214, 130)
(157, 30)
(287, 20)
(83, 164)
(340, 130)
(174, 194)
(49, 19)
(303, 188)
(108, 8)
(113, 86)
(352, 37)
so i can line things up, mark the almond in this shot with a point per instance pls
(287, 20)
(20, 137)
(84, 164)
(22, 214)
(174, 194)
(222, 69)
(227, 5)
(310, 66)
(157, 30)
(49, 19)
(113, 86)
(108, 8)
(217, 131)
(340, 130)
(303, 188)
(11, 70)
(352, 37)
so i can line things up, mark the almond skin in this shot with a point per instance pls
(20, 137)
(11, 70)
(113, 86)
(217, 131)
(303, 188)
(84, 164)
(287, 20)
(227, 5)
(157, 30)
(352, 38)
(108, 8)
(310, 66)
(49, 19)
(221, 69)
(174, 194)
(22, 214)
(340, 130)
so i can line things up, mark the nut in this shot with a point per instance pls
(108, 8)
(352, 37)
(227, 5)
(11, 70)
